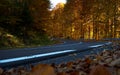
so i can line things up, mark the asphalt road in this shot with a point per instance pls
(12, 53)
(73, 46)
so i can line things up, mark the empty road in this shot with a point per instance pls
(14, 55)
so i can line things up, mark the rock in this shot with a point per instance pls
(42, 69)
(100, 70)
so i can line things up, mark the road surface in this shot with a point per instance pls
(9, 56)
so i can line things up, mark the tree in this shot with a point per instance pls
(104, 18)
(39, 12)
(56, 27)
(25, 19)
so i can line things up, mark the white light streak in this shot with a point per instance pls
(34, 56)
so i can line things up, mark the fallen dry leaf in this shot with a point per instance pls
(100, 70)
(1, 71)
(42, 69)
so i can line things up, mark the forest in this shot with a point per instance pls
(33, 22)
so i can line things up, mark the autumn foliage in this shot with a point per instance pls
(31, 21)
(42, 69)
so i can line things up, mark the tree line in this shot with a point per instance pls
(23, 21)
(87, 19)
(32, 20)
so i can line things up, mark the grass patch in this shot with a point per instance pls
(9, 41)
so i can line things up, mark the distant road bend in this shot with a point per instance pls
(27, 55)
